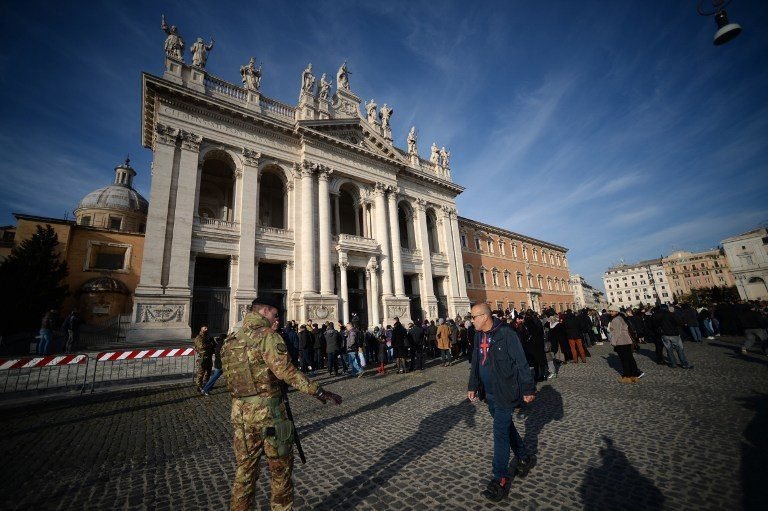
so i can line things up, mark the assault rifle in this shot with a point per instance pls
(289, 414)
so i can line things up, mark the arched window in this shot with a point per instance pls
(490, 246)
(405, 219)
(434, 243)
(530, 280)
(468, 273)
(535, 254)
(549, 283)
(217, 187)
(502, 248)
(482, 276)
(551, 259)
(565, 262)
(495, 276)
(272, 203)
(506, 278)
(540, 281)
(349, 211)
(519, 278)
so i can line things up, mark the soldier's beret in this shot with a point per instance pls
(267, 301)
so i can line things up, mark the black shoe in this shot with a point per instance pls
(524, 465)
(497, 489)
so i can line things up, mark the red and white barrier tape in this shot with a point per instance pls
(112, 356)
(52, 360)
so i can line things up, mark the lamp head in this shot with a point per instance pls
(725, 30)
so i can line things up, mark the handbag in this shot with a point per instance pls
(361, 357)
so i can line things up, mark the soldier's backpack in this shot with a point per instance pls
(235, 364)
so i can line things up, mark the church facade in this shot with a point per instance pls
(312, 205)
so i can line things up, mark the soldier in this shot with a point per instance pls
(256, 363)
(204, 348)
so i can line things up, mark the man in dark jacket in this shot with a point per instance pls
(500, 375)
(669, 324)
(416, 340)
(333, 348)
(306, 345)
(398, 344)
(575, 341)
(754, 326)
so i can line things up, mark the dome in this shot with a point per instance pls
(120, 195)
(104, 285)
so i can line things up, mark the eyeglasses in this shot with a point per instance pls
(480, 315)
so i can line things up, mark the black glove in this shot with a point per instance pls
(324, 396)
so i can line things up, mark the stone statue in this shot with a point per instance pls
(307, 80)
(200, 52)
(385, 114)
(412, 141)
(325, 87)
(370, 107)
(446, 159)
(174, 44)
(443, 157)
(435, 156)
(251, 75)
(342, 77)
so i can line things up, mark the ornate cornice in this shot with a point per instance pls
(251, 157)
(190, 141)
(166, 134)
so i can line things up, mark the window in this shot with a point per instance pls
(540, 281)
(511, 305)
(530, 280)
(549, 283)
(490, 246)
(468, 274)
(535, 255)
(115, 223)
(477, 243)
(506, 279)
(522, 306)
(86, 220)
(495, 277)
(551, 259)
(664, 295)
(107, 256)
(499, 305)
(482, 277)
(464, 241)
(519, 279)
(502, 249)
(514, 251)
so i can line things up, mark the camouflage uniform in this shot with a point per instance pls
(204, 350)
(255, 359)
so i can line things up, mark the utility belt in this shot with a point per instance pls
(280, 435)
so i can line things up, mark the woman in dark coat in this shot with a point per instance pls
(381, 338)
(535, 346)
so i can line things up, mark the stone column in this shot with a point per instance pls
(373, 267)
(457, 253)
(394, 236)
(343, 264)
(357, 218)
(423, 235)
(324, 223)
(192, 260)
(448, 245)
(336, 212)
(186, 193)
(157, 218)
(248, 209)
(381, 236)
(307, 243)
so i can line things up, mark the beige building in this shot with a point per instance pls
(508, 270)
(311, 204)
(630, 285)
(585, 295)
(686, 271)
(747, 256)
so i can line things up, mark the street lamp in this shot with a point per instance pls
(725, 30)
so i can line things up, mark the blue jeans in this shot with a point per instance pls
(445, 356)
(673, 344)
(695, 333)
(505, 436)
(353, 363)
(46, 336)
(708, 327)
(214, 376)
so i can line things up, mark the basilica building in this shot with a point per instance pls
(311, 204)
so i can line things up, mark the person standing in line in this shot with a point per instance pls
(204, 351)
(444, 342)
(71, 328)
(306, 346)
(218, 341)
(318, 338)
(416, 341)
(352, 342)
(691, 321)
(431, 331)
(669, 325)
(381, 338)
(398, 345)
(536, 346)
(652, 333)
(622, 345)
(332, 347)
(573, 330)
(499, 375)
(257, 366)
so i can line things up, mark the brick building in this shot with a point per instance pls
(508, 270)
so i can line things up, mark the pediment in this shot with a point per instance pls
(357, 133)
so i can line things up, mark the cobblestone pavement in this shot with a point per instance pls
(678, 439)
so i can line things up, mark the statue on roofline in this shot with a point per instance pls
(174, 44)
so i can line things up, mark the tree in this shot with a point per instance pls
(32, 282)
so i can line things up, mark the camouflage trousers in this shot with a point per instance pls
(248, 422)
(203, 373)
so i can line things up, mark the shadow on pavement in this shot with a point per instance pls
(754, 453)
(547, 407)
(614, 362)
(385, 401)
(431, 433)
(616, 484)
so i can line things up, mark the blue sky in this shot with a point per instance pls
(615, 129)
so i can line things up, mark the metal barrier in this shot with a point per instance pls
(111, 366)
(38, 373)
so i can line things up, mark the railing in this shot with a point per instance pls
(272, 106)
(218, 223)
(263, 229)
(213, 84)
(413, 252)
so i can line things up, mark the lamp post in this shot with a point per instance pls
(725, 29)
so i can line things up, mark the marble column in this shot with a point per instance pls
(357, 218)
(381, 236)
(394, 238)
(423, 234)
(336, 213)
(192, 261)
(248, 209)
(373, 267)
(343, 264)
(164, 151)
(459, 261)
(307, 244)
(448, 249)
(324, 223)
(186, 193)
